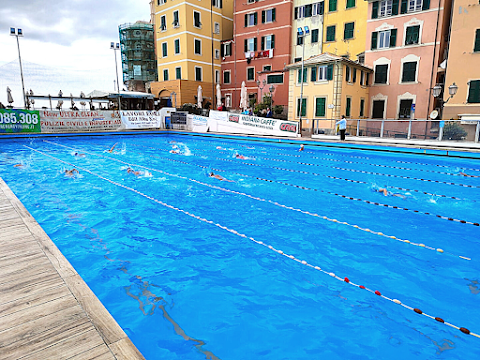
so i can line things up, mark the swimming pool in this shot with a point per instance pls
(270, 264)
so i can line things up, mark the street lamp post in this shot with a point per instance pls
(264, 82)
(302, 32)
(19, 33)
(116, 47)
(436, 92)
(272, 89)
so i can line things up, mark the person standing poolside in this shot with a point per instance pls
(342, 126)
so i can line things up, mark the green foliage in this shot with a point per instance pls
(277, 109)
(453, 131)
(191, 108)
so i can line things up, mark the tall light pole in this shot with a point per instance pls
(116, 47)
(19, 33)
(272, 89)
(213, 67)
(301, 33)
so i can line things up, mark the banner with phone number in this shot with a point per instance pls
(19, 121)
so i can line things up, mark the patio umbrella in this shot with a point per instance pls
(219, 96)
(9, 95)
(199, 97)
(243, 97)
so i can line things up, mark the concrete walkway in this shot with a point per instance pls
(46, 310)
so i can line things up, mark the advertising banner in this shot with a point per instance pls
(246, 124)
(19, 121)
(142, 119)
(80, 121)
(218, 115)
(198, 123)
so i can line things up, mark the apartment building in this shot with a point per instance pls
(188, 37)
(406, 44)
(259, 50)
(307, 13)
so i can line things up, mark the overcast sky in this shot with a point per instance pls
(67, 41)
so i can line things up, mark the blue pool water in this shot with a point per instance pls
(182, 260)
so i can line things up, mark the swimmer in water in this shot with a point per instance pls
(174, 151)
(467, 175)
(79, 155)
(238, 156)
(385, 192)
(302, 147)
(19, 166)
(72, 172)
(131, 171)
(112, 148)
(219, 177)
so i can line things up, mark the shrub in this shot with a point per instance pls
(453, 131)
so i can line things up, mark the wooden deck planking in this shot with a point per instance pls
(47, 311)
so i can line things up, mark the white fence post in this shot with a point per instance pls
(358, 128)
(381, 129)
(477, 129)
(409, 129)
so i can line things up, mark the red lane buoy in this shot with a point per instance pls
(362, 287)
(378, 293)
(347, 280)
(439, 319)
(418, 311)
(465, 330)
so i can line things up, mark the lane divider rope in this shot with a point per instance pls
(270, 247)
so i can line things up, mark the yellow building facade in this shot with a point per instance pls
(345, 28)
(332, 86)
(188, 36)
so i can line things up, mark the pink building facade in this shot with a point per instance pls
(406, 42)
(259, 50)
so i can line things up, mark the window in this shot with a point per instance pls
(250, 19)
(226, 77)
(347, 74)
(332, 5)
(217, 54)
(322, 73)
(385, 8)
(299, 77)
(176, 22)
(268, 42)
(348, 30)
(362, 107)
(381, 72)
(250, 45)
(348, 106)
(275, 79)
(299, 12)
(267, 68)
(474, 92)
(198, 73)
(405, 109)
(409, 71)
(161, 2)
(330, 33)
(177, 46)
(163, 23)
(308, 10)
(414, 5)
(217, 76)
(216, 28)
(318, 8)
(297, 59)
(378, 109)
(227, 49)
(412, 35)
(313, 74)
(320, 108)
(268, 16)
(165, 75)
(196, 19)
(198, 47)
(314, 36)
(303, 108)
(164, 49)
(217, 3)
(178, 73)
(476, 47)
(299, 40)
(250, 74)
(251, 1)
(384, 39)
(362, 78)
(350, 4)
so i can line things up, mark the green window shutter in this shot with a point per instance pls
(273, 41)
(305, 75)
(303, 107)
(296, 13)
(262, 47)
(273, 14)
(177, 46)
(409, 70)
(330, 33)
(412, 35)
(299, 75)
(395, 7)
(313, 74)
(375, 10)
(362, 107)
(254, 44)
(255, 19)
(381, 74)
(477, 40)
(332, 5)
(263, 16)
(320, 106)
(350, 4)
(374, 40)
(330, 72)
(348, 108)
(246, 20)
(393, 37)
(245, 45)
(354, 75)
(347, 73)
(367, 79)
(426, 5)
(403, 8)
(315, 36)
(474, 92)
(178, 73)
(349, 30)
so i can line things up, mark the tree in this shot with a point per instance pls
(453, 131)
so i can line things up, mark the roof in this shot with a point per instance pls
(124, 94)
(326, 58)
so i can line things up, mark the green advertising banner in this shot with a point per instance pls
(19, 121)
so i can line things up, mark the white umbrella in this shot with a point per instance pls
(9, 95)
(243, 97)
(219, 96)
(199, 97)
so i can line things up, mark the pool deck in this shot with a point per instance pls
(47, 311)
